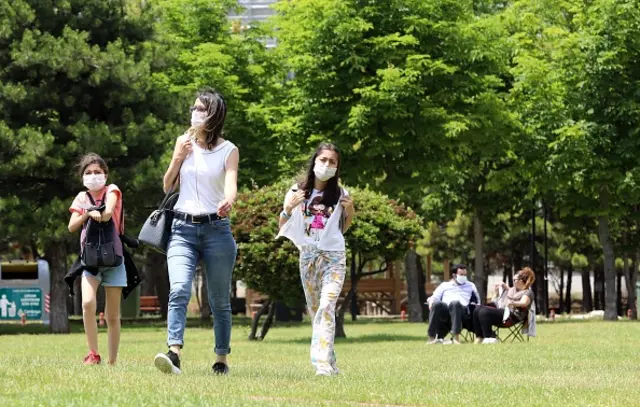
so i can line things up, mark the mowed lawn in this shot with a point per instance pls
(383, 363)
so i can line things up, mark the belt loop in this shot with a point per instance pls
(209, 218)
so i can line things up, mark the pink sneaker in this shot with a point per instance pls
(92, 358)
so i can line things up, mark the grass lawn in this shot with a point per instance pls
(383, 363)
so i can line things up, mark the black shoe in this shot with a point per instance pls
(168, 363)
(220, 368)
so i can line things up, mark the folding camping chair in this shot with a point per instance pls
(514, 331)
(467, 334)
(514, 328)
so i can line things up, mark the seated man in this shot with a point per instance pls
(449, 306)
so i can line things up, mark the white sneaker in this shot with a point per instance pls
(168, 363)
(489, 341)
(435, 342)
(447, 342)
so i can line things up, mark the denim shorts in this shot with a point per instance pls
(110, 276)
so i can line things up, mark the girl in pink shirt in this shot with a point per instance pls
(94, 172)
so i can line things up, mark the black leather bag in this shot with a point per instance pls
(100, 241)
(157, 228)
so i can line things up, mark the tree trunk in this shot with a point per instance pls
(256, 320)
(340, 333)
(630, 278)
(148, 285)
(619, 292)
(610, 312)
(77, 298)
(353, 291)
(413, 286)
(598, 288)
(422, 291)
(517, 265)
(567, 297)
(101, 299)
(56, 255)
(268, 321)
(507, 274)
(587, 298)
(478, 271)
(157, 269)
(561, 293)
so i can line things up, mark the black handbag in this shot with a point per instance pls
(157, 228)
(101, 239)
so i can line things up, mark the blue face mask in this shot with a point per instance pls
(461, 279)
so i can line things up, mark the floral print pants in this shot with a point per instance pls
(322, 275)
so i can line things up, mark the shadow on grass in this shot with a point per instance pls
(356, 339)
(75, 325)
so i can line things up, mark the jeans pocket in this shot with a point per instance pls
(176, 224)
(222, 225)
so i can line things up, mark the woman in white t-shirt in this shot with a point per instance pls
(316, 213)
(206, 166)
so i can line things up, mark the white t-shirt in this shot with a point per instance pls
(313, 224)
(202, 179)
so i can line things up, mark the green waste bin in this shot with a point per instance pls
(131, 305)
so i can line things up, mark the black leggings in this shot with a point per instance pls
(484, 318)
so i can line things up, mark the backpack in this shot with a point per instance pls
(101, 240)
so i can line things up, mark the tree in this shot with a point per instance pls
(419, 85)
(381, 229)
(76, 78)
(415, 285)
(204, 51)
(576, 75)
(407, 83)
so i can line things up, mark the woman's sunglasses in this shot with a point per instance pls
(198, 108)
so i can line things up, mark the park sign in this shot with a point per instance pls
(15, 302)
(24, 291)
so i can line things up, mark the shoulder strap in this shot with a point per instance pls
(121, 232)
(94, 202)
(104, 202)
(90, 198)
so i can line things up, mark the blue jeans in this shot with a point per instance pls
(214, 244)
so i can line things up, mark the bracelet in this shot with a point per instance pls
(285, 215)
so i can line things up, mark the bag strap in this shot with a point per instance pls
(104, 196)
(94, 202)
(169, 194)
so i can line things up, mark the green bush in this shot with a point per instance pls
(382, 228)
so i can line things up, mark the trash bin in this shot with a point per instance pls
(130, 308)
(24, 291)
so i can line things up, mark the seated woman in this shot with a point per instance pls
(517, 299)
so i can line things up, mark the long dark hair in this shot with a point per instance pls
(216, 113)
(332, 191)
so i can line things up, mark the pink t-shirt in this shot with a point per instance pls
(81, 203)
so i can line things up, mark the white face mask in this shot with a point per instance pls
(324, 172)
(198, 118)
(94, 182)
(461, 279)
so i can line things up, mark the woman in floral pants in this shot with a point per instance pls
(317, 211)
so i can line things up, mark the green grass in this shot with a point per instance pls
(578, 364)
